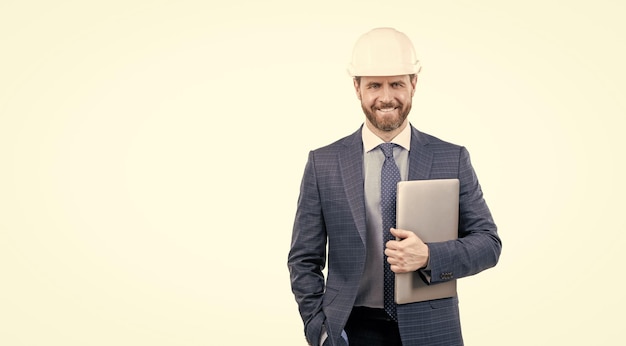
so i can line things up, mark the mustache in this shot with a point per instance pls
(388, 105)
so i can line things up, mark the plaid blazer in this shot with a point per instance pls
(331, 215)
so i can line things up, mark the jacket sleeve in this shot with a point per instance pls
(478, 246)
(307, 256)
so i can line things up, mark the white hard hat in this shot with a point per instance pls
(383, 52)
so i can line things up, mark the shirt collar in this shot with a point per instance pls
(371, 141)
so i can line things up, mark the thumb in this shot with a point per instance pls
(400, 233)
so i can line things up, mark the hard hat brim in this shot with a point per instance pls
(380, 71)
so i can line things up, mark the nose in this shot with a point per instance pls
(385, 94)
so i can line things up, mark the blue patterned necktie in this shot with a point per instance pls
(389, 178)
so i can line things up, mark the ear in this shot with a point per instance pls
(413, 83)
(357, 89)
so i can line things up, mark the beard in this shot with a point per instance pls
(388, 122)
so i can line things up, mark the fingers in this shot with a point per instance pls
(405, 265)
(396, 260)
(397, 266)
(407, 254)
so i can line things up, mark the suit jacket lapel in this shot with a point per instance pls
(420, 157)
(351, 166)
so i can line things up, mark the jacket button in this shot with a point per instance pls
(446, 276)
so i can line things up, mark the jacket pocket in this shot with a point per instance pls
(444, 303)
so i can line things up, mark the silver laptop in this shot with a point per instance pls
(430, 208)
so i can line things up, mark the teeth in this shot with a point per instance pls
(386, 109)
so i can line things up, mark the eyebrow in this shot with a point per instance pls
(399, 81)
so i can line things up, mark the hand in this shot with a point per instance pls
(408, 254)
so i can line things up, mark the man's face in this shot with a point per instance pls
(386, 101)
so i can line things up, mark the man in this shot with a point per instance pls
(342, 206)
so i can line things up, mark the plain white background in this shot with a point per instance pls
(151, 154)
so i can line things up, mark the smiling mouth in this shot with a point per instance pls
(387, 109)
